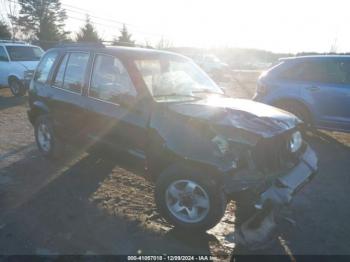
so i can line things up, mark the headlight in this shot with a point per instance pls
(295, 142)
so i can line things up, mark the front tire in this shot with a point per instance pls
(46, 140)
(16, 87)
(189, 199)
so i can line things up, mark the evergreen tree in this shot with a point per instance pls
(42, 20)
(124, 39)
(4, 31)
(88, 33)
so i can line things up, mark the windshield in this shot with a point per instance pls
(24, 53)
(175, 77)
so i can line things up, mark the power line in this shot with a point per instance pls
(136, 28)
(86, 11)
(113, 26)
(89, 12)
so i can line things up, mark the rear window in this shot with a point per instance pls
(24, 53)
(71, 71)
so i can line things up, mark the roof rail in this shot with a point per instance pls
(13, 42)
(80, 44)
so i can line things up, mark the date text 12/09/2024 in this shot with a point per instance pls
(170, 258)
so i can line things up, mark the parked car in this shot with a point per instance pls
(314, 88)
(198, 145)
(213, 66)
(18, 61)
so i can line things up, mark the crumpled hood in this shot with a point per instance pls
(28, 65)
(244, 114)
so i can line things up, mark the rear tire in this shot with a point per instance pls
(16, 87)
(48, 143)
(206, 201)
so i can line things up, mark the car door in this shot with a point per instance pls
(4, 67)
(117, 118)
(324, 84)
(65, 95)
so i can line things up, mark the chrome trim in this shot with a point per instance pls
(67, 90)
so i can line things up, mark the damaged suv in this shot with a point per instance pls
(198, 145)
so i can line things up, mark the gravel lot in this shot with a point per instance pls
(85, 204)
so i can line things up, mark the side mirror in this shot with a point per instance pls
(224, 89)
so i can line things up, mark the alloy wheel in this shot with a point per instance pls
(187, 201)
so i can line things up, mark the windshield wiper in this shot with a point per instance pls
(208, 91)
(177, 94)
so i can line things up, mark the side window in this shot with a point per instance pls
(109, 79)
(75, 71)
(315, 71)
(328, 72)
(150, 71)
(338, 72)
(58, 81)
(293, 72)
(44, 67)
(3, 55)
(345, 68)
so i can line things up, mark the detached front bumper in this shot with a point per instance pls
(284, 187)
(281, 188)
(254, 231)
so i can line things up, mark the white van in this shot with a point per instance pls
(18, 61)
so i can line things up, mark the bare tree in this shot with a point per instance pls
(334, 46)
(164, 43)
(9, 14)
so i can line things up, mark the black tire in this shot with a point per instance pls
(16, 87)
(214, 191)
(55, 147)
(298, 110)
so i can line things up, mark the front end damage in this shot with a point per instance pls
(250, 147)
(270, 199)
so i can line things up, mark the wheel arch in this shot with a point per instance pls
(38, 108)
(12, 77)
(294, 101)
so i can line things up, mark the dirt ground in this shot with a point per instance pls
(85, 204)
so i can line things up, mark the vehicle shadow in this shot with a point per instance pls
(320, 136)
(93, 204)
(11, 101)
(57, 211)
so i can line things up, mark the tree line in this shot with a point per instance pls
(43, 22)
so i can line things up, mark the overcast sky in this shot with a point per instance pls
(275, 25)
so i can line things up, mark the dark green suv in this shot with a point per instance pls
(198, 145)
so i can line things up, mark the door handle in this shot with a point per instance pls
(313, 88)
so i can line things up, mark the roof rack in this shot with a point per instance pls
(80, 44)
(13, 42)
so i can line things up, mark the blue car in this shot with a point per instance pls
(314, 88)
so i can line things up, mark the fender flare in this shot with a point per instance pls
(41, 106)
(37, 108)
(12, 76)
